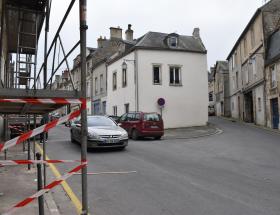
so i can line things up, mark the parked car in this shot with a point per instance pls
(211, 110)
(115, 118)
(140, 124)
(103, 132)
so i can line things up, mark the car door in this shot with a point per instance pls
(76, 130)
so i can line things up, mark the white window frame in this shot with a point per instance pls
(114, 81)
(101, 83)
(115, 110)
(273, 77)
(96, 85)
(180, 75)
(171, 42)
(124, 77)
(160, 74)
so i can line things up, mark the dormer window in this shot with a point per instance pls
(173, 41)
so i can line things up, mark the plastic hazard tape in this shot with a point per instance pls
(23, 162)
(43, 128)
(45, 189)
(44, 101)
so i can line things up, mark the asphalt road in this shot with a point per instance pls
(234, 173)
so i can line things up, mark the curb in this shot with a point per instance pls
(51, 205)
(216, 132)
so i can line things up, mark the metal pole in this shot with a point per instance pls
(29, 145)
(6, 127)
(44, 157)
(40, 185)
(45, 48)
(83, 37)
(34, 138)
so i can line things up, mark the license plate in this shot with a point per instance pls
(154, 126)
(111, 141)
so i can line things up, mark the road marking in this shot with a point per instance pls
(64, 184)
(103, 173)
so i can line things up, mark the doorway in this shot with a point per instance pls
(275, 113)
(249, 110)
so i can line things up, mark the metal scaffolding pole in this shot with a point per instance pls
(83, 37)
(45, 48)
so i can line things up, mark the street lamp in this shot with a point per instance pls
(124, 65)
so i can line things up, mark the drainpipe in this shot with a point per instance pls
(136, 81)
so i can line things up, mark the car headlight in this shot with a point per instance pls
(124, 135)
(93, 136)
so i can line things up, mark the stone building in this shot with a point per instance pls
(221, 89)
(272, 66)
(246, 65)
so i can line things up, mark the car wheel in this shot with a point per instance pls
(135, 135)
(158, 138)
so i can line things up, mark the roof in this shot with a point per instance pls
(157, 40)
(221, 67)
(273, 49)
(269, 20)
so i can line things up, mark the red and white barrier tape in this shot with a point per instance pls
(45, 189)
(23, 162)
(16, 128)
(43, 128)
(44, 101)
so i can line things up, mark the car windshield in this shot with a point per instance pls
(151, 117)
(100, 121)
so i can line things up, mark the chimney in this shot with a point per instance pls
(196, 33)
(129, 33)
(100, 42)
(116, 33)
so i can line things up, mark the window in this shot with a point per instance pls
(254, 68)
(114, 80)
(101, 83)
(210, 96)
(232, 106)
(233, 61)
(115, 110)
(124, 78)
(175, 76)
(253, 42)
(173, 41)
(233, 82)
(237, 79)
(245, 47)
(273, 77)
(259, 104)
(246, 76)
(88, 89)
(96, 87)
(156, 75)
(126, 107)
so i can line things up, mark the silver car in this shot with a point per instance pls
(103, 132)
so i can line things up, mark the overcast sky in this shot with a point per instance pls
(220, 21)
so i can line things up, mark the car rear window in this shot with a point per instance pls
(151, 117)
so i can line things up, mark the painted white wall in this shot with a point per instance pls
(260, 116)
(234, 106)
(186, 105)
(122, 95)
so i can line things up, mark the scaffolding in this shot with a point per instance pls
(23, 21)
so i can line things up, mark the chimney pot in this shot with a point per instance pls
(129, 33)
(196, 33)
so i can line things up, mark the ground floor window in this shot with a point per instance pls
(126, 107)
(104, 107)
(115, 110)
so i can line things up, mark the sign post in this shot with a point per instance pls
(161, 103)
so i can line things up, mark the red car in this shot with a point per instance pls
(140, 124)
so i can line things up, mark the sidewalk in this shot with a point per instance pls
(250, 124)
(17, 183)
(191, 132)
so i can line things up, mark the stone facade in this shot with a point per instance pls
(221, 89)
(246, 66)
